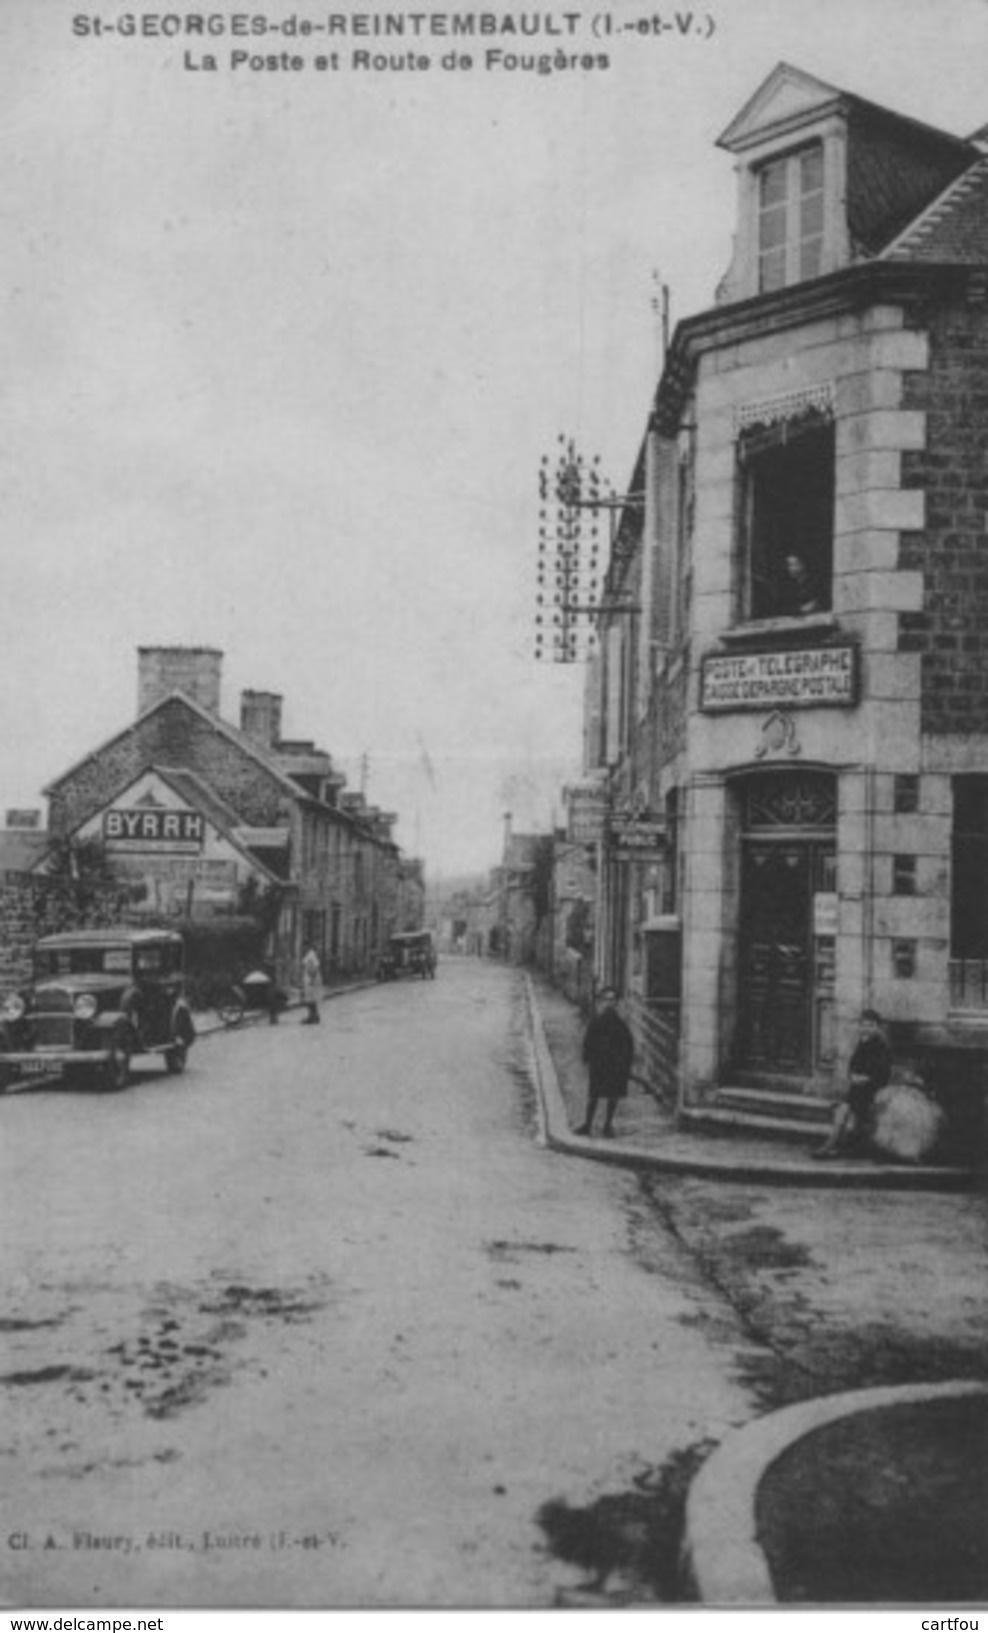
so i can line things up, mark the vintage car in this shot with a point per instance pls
(98, 997)
(412, 953)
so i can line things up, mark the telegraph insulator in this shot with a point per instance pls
(570, 484)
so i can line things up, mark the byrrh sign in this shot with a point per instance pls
(154, 828)
(804, 678)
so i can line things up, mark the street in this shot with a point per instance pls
(321, 1324)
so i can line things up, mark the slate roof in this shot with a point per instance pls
(195, 791)
(954, 228)
(246, 744)
(912, 192)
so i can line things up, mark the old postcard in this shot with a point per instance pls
(494, 503)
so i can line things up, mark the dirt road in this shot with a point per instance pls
(320, 1324)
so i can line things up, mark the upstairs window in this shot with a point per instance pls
(787, 518)
(790, 219)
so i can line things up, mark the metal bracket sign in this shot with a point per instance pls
(796, 678)
(636, 839)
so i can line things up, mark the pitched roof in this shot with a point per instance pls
(248, 746)
(197, 793)
(222, 816)
(787, 93)
(789, 96)
(21, 849)
(245, 743)
(898, 168)
(954, 228)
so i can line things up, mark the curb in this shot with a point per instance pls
(556, 1135)
(721, 1555)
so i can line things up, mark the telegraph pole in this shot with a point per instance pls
(571, 594)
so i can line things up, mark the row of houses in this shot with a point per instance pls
(183, 816)
(536, 907)
(787, 709)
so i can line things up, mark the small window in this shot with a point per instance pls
(905, 796)
(790, 219)
(787, 518)
(969, 893)
(904, 875)
(663, 965)
(904, 960)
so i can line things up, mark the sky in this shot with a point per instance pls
(282, 351)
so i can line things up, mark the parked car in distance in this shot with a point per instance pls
(97, 998)
(411, 953)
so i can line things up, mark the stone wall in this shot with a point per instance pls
(31, 907)
(951, 552)
(19, 910)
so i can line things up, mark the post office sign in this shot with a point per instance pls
(798, 678)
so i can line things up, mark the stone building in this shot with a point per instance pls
(410, 913)
(206, 819)
(522, 899)
(791, 693)
(574, 893)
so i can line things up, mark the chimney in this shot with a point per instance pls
(260, 718)
(24, 819)
(194, 670)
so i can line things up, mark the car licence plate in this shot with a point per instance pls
(40, 1068)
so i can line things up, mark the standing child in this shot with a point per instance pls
(608, 1049)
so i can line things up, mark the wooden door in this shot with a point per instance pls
(776, 974)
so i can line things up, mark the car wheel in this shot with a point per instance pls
(176, 1057)
(116, 1071)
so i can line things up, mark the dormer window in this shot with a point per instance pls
(826, 179)
(790, 218)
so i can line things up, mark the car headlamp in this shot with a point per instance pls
(13, 1007)
(85, 1006)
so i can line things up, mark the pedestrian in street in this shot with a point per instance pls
(608, 1050)
(311, 986)
(869, 1070)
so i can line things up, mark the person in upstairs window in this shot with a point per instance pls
(608, 1050)
(869, 1071)
(798, 593)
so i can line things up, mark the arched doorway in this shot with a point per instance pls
(786, 933)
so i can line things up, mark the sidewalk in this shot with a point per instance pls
(873, 1327)
(647, 1137)
(874, 1497)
